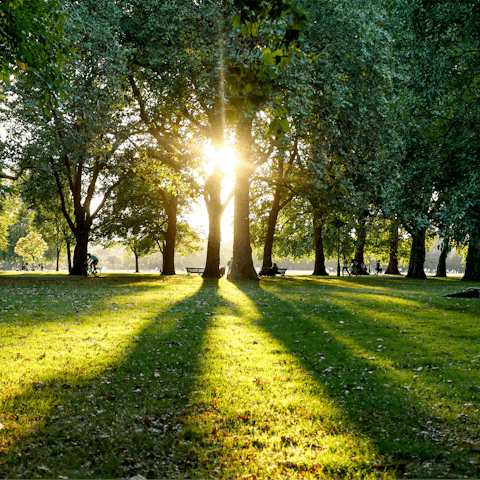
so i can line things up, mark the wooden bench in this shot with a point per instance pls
(269, 272)
(198, 270)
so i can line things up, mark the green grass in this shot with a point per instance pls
(179, 377)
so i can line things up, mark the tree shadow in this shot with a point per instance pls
(363, 380)
(128, 418)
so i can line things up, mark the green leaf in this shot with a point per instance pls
(285, 125)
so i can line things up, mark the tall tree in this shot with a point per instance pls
(275, 27)
(74, 147)
(185, 110)
(442, 52)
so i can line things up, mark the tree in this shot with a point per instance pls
(139, 216)
(442, 53)
(49, 221)
(184, 111)
(74, 149)
(8, 216)
(31, 247)
(18, 220)
(276, 28)
(215, 208)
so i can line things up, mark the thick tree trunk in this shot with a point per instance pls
(215, 210)
(319, 268)
(442, 260)
(80, 252)
(392, 268)
(472, 265)
(242, 263)
(417, 254)
(170, 237)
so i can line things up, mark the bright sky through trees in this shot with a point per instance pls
(226, 161)
(223, 159)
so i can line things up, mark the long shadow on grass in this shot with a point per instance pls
(126, 420)
(373, 400)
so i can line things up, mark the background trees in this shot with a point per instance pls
(31, 247)
(348, 118)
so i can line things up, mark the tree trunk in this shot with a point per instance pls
(272, 223)
(242, 263)
(213, 201)
(80, 252)
(58, 259)
(170, 236)
(472, 264)
(136, 263)
(319, 268)
(417, 254)
(442, 261)
(69, 256)
(392, 268)
(360, 242)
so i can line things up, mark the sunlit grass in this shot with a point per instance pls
(180, 377)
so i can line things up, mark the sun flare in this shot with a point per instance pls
(224, 159)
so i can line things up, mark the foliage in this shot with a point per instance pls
(136, 216)
(72, 149)
(31, 38)
(438, 105)
(8, 216)
(50, 222)
(31, 247)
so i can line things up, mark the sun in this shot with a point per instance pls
(223, 159)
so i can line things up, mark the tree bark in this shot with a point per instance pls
(392, 268)
(170, 205)
(242, 263)
(136, 263)
(277, 206)
(69, 256)
(270, 236)
(472, 264)
(417, 254)
(319, 268)
(442, 260)
(80, 252)
(58, 259)
(361, 239)
(215, 210)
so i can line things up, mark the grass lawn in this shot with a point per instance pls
(302, 377)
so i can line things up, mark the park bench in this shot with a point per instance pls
(270, 272)
(198, 270)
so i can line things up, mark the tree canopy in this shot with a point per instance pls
(348, 118)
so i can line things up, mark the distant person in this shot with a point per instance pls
(92, 259)
(345, 265)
